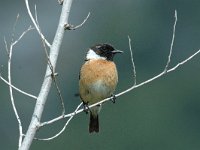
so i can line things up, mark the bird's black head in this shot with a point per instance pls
(105, 51)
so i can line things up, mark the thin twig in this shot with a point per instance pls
(59, 93)
(20, 37)
(17, 89)
(53, 74)
(14, 27)
(64, 127)
(10, 50)
(12, 98)
(6, 45)
(183, 62)
(133, 64)
(36, 17)
(172, 42)
(35, 24)
(7, 50)
(71, 27)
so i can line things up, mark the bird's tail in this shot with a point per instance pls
(94, 123)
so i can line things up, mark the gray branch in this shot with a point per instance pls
(44, 91)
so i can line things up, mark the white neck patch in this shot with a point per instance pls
(92, 55)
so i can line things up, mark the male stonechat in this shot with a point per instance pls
(98, 79)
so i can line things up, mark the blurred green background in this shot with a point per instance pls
(163, 115)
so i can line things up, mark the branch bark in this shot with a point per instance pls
(42, 97)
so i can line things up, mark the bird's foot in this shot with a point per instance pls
(113, 98)
(86, 107)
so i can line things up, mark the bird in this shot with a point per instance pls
(98, 79)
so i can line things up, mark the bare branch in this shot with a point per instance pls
(133, 64)
(15, 110)
(6, 45)
(9, 76)
(45, 88)
(71, 27)
(35, 24)
(64, 127)
(36, 17)
(61, 117)
(53, 75)
(17, 89)
(14, 26)
(183, 62)
(16, 41)
(7, 50)
(59, 93)
(172, 42)
(12, 98)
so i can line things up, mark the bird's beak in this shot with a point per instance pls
(116, 51)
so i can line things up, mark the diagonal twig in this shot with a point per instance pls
(53, 75)
(35, 24)
(133, 64)
(64, 127)
(7, 50)
(72, 27)
(17, 89)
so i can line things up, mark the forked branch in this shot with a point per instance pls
(45, 88)
(9, 82)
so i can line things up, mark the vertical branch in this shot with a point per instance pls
(10, 51)
(133, 64)
(14, 26)
(44, 91)
(172, 43)
(12, 98)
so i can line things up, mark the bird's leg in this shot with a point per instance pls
(113, 98)
(86, 107)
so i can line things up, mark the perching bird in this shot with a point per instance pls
(98, 79)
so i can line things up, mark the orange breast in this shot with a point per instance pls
(98, 79)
